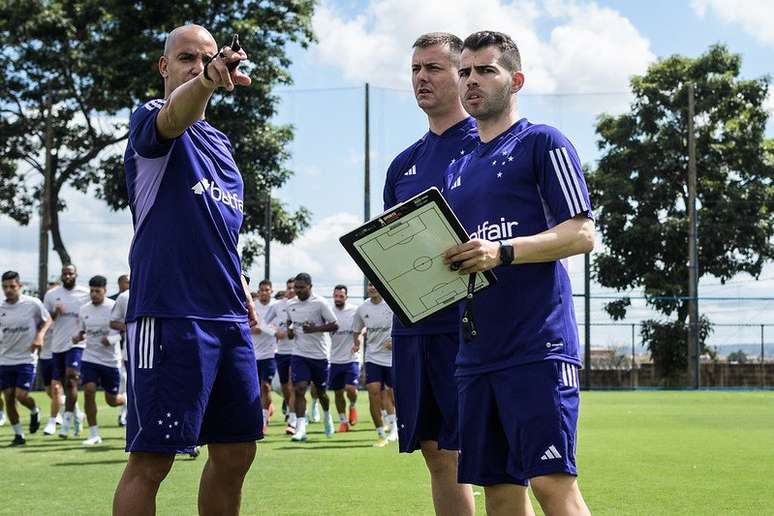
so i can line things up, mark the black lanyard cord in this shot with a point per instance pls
(468, 323)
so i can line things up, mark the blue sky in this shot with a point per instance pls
(571, 51)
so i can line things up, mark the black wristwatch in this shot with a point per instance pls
(506, 253)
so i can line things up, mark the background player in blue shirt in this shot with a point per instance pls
(192, 375)
(522, 198)
(423, 354)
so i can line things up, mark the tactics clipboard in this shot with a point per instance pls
(401, 253)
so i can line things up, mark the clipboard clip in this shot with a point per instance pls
(469, 331)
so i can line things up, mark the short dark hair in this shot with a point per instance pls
(123, 277)
(98, 281)
(280, 294)
(341, 287)
(10, 275)
(510, 58)
(303, 276)
(441, 38)
(264, 282)
(290, 280)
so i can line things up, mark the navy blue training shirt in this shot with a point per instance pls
(523, 182)
(186, 197)
(414, 170)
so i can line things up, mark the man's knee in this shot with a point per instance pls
(439, 462)
(233, 459)
(299, 389)
(22, 396)
(114, 400)
(505, 497)
(72, 376)
(322, 395)
(558, 489)
(374, 390)
(90, 390)
(152, 468)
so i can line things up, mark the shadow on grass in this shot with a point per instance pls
(89, 463)
(54, 449)
(312, 446)
(60, 442)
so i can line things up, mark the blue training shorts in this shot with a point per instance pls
(17, 376)
(378, 373)
(310, 370)
(425, 390)
(190, 382)
(107, 377)
(341, 375)
(46, 370)
(283, 366)
(70, 359)
(267, 368)
(518, 423)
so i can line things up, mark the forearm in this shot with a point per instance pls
(42, 329)
(321, 328)
(571, 237)
(184, 106)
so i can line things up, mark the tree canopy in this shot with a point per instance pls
(77, 68)
(639, 188)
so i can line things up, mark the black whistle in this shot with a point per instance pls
(236, 48)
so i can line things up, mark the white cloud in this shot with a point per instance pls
(754, 16)
(590, 48)
(317, 252)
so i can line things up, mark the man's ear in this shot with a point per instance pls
(517, 81)
(163, 66)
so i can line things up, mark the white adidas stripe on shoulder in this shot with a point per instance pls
(154, 104)
(568, 180)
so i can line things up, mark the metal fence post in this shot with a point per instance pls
(763, 362)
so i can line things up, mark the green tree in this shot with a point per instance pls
(76, 67)
(640, 191)
(740, 357)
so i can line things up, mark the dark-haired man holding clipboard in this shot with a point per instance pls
(522, 198)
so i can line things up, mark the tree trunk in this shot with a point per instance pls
(56, 235)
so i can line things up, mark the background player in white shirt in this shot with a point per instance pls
(118, 322)
(63, 303)
(265, 346)
(277, 316)
(23, 323)
(345, 364)
(101, 356)
(310, 319)
(375, 317)
(53, 387)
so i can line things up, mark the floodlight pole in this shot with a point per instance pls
(693, 266)
(367, 176)
(267, 235)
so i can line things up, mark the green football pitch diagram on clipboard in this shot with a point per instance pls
(401, 252)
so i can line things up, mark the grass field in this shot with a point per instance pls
(645, 453)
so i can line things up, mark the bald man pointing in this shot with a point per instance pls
(192, 376)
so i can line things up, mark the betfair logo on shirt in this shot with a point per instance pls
(218, 195)
(497, 231)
